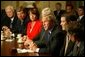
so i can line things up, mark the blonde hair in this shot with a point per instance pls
(48, 13)
(9, 7)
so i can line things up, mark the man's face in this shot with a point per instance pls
(9, 13)
(63, 23)
(58, 7)
(80, 11)
(46, 23)
(68, 9)
(20, 15)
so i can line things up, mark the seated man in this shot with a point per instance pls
(22, 21)
(10, 19)
(75, 34)
(50, 38)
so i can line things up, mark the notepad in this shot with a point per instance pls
(23, 50)
(9, 40)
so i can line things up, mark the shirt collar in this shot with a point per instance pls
(12, 19)
(50, 31)
(78, 43)
(81, 16)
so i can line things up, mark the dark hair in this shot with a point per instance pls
(74, 29)
(21, 8)
(69, 6)
(58, 4)
(81, 7)
(34, 5)
(66, 17)
(33, 11)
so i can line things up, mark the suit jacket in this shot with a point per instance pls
(6, 22)
(82, 23)
(82, 20)
(69, 48)
(54, 44)
(58, 16)
(77, 51)
(21, 26)
(81, 50)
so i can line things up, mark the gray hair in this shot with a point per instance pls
(9, 7)
(47, 12)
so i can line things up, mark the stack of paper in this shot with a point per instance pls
(23, 50)
(9, 40)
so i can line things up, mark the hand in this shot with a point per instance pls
(28, 42)
(24, 38)
(4, 27)
(33, 47)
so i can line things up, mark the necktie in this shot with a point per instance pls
(11, 24)
(47, 35)
(75, 50)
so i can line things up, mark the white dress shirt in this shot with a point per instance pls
(80, 17)
(67, 41)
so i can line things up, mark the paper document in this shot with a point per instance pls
(23, 50)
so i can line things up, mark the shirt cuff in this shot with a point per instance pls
(37, 50)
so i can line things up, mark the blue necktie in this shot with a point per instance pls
(47, 35)
(11, 25)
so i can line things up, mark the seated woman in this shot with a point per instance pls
(33, 27)
(68, 44)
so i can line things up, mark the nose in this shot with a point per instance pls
(43, 23)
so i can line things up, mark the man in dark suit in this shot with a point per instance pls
(58, 12)
(9, 19)
(71, 12)
(50, 38)
(81, 16)
(21, 21)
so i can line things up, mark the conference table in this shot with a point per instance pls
(9, 48)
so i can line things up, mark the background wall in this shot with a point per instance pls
(51, 4)
(40, 4)
(5, 3)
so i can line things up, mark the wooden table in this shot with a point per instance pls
(9, 49)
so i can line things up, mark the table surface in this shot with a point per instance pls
(9, 49)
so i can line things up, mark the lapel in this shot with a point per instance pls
(63, 48)
(64, 43)
(70, 47)
(82, 19)
(80, 49)
(53, 33)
